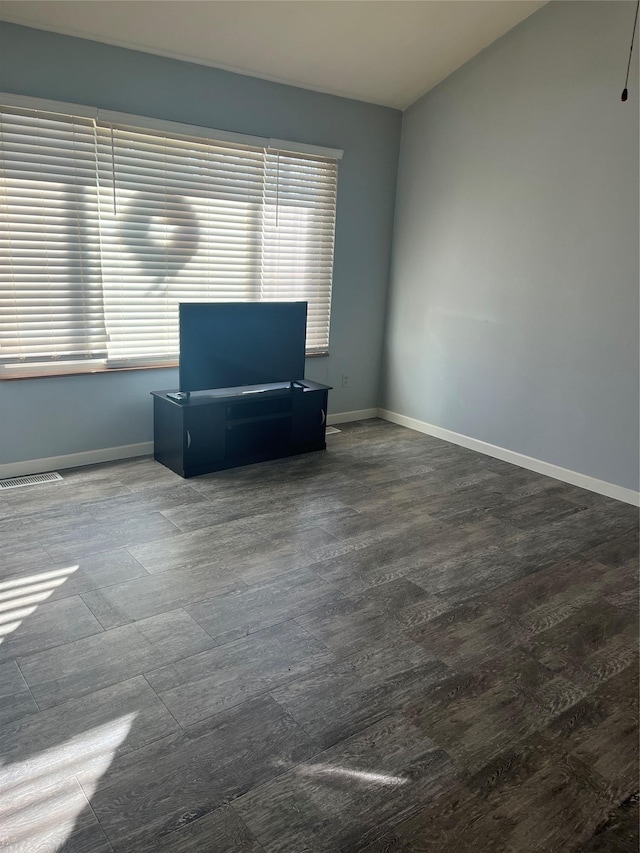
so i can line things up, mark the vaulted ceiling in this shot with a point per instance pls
(387, 52)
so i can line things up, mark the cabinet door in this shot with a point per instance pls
(309, 418)
(204, 438)
(168, 429)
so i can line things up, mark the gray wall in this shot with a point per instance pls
(513, 308)
(56, 416)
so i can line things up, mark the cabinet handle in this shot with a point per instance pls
(188, 439)
(323, 417)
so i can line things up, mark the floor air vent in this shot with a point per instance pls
(31, 480)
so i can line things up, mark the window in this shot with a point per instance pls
(108, 221)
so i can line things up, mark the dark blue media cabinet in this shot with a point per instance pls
(228, 427)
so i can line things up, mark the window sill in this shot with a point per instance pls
(16, 373)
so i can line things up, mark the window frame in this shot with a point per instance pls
(31, 368)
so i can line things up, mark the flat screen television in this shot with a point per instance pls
(227, 344)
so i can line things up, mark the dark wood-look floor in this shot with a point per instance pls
(396, 645)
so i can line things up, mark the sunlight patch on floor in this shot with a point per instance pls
(21, 596)
(42, 796)
(363, 776)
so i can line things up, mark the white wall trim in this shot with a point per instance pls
(358, 415)
(583, 481)
(145, 448)
(75, 460)
(126, 451)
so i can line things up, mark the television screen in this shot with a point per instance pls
(225, 344)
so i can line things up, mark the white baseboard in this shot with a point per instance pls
(145, 448)
(565, 474)
(126, 451)
(358, 415)
(75, 460)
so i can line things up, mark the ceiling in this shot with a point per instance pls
(386, 52)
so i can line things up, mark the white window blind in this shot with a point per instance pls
(50, 281)
(105, 227)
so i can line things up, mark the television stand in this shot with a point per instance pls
(228, 427)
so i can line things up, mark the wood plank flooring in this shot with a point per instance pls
(397, 645)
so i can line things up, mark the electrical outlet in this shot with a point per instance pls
(345, 380)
